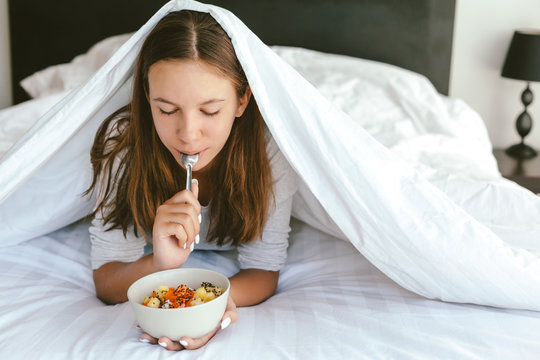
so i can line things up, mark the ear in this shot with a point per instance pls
(243, 102)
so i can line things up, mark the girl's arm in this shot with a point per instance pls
(175, 228)
(113, 279)
(252, 286)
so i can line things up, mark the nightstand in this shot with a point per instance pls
(525, 172)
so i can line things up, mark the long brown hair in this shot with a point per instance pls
(137, 171)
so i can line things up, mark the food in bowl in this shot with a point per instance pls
(192, 321)
(165, 297)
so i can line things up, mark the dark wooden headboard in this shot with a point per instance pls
(413, 34)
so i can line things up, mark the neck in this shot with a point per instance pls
(206, 178)
(205, 190)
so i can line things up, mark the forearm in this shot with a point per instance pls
(113, 279)
(252, 286)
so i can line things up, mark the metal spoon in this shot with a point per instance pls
(188, 161)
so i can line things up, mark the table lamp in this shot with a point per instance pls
(523, 63)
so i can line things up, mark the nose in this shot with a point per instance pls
(188, 129)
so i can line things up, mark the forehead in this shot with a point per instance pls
(181, 73)
(188, 83)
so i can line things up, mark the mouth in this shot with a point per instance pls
(190, 153)
(194, 152)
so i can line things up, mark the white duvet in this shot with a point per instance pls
(407, 175)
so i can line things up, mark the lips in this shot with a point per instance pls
(191, 152)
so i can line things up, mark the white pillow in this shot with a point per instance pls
(16, 120)
(63, 77)
(402, 110)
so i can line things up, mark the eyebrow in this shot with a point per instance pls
(203, 103)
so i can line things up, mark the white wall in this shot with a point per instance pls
(482, 34)
(5, 68)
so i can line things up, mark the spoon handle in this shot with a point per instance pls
(188, 177)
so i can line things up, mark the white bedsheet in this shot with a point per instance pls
(331, 303)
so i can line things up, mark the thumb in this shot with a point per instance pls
(195, 187)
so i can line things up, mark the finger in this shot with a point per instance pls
(195, 188)
(181, 236)
(170, 212)
(169, 344)
(230, 315)
(172, 230)
(146, 338)
(186, 238)
(181, 214)
(185, 196)
(231, 304)
(189, 232)
(192, 344)
(183, 226)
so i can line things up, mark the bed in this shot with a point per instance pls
(367, 57)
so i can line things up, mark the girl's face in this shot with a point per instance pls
(193, 108)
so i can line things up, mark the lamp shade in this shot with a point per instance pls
(523, 58)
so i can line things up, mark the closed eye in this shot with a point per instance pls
(167, 112)
(210, 113)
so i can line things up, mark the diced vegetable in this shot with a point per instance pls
(170, 298)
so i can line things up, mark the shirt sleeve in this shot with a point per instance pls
(112, 245)
(269, 252)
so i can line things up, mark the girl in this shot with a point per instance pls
(190, 96)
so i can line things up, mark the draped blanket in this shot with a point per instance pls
(436, 231)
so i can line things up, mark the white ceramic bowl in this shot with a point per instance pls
(193, 321)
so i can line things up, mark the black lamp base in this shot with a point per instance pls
(523, 127)
(521, 151)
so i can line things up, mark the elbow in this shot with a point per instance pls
(103, 288)
(253, 286)
(272, 285)
(101, 294)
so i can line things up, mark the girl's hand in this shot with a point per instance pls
(176, 227)
(230, 316)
